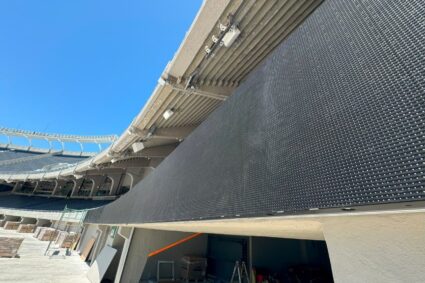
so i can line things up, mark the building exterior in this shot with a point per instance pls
(285, 134)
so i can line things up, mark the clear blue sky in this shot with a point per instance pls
(84, 66)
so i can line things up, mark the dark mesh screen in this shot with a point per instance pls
(333, 117)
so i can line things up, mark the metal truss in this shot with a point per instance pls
(49, 138)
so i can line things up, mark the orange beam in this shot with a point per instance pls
(179, 242)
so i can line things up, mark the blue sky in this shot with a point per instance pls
(84, 67)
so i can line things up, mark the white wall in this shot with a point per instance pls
(377, 248)
(145, 241)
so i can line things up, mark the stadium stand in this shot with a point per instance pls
(20, 161)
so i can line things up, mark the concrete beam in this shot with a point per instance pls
(210, 13)
(137, 162)
(199, 92)
(156, 151)
(176, 133)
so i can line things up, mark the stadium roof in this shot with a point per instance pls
(227, 40)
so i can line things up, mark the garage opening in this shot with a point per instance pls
(268, 259)
(222, 256)
(289, 260)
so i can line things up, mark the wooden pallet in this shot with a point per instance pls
(26, 228)
(65, 239)
(47, 234)
(11, 225)
(9, 246)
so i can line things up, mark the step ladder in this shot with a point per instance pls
(241, 272)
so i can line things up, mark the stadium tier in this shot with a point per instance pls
(36, 203)
(21, 161)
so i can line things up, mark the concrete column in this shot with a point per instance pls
(55, 189)
(17, 187)
(377, 248)
(77, 186)
(117, 179)
(35, 187)
(98, 181)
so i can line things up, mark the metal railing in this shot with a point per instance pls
(9, 133)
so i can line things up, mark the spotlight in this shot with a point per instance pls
(138, 146)
(231, 36)
(167, 114)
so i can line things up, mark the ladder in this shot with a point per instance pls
(67, 214)
(240, 270)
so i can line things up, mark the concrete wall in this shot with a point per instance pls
(377, 248)
(145, 241)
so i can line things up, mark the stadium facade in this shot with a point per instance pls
(288, 135)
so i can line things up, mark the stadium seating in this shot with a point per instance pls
(32, 164)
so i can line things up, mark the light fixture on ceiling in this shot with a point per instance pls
(138, 146)
(161, 81)
(231, 36)
(167, 114)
